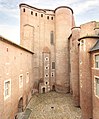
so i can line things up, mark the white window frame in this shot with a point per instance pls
(9, 88)
(20, 82)
(95, 86)
(95, 60)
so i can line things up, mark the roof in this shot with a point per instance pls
(14, 44)
(46, 9)
(95, 36)
(95, 47)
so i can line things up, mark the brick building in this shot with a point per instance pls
(53, 54)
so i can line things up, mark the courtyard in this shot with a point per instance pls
(53, 105)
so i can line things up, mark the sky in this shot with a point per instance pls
(84, 11)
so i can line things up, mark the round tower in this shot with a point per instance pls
(63, 24)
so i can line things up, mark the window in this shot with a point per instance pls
(47, 59)
(20, 81)
(81, 42)
(46, 67)
(96, 61)
(52, 38)
(24, 10)
(27, 77)
(46, 83)
(97, 86)
(7, 88)
(46, 75)
(47, 17)
(51, 18)
(52, 74)
(31, 12)
(41, 15)
(53, 65)
(35, 14)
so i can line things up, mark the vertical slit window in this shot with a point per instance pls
(47, 17)
(52, 38)
(97, 61)
(35, 14)
(53, 65)
(41, 15)
(31, 12)
(24, 10)
(97, 86)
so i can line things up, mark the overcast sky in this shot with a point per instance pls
(84, 11)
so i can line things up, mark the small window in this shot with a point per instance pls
(20, 81)
(31, 12)
(81, 42)
(24, 10)
(96, 61)
(51, 18)
(7, 49)
(46, 75)
(53, 65)
(41, 15)
(27, 77)
(35, 14)
(47, 17)
(46, 67)
(7, 88)
(52, 74)
(51, 38)
(47, 59)
(46, 83)
(97, 86)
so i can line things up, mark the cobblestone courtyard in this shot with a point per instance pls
(53, 106)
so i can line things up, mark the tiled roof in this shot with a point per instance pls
(95, 47)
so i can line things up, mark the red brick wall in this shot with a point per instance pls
(13, 62)
(74, 65)
(95, 73)
(85, 77)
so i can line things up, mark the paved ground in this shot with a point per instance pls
(53, 106)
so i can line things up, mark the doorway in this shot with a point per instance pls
(20, 105)
(43, 90)
(53, 88)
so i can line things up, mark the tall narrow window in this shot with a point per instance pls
(53, 65)
(51, 18)
(24, 10)
(31, 12)
(96, 61)
(27, 77)
(41, 15)
(35, 14)
(97, 86)
(47, 17)
(52, 38)
(7, 86)
(21, 81)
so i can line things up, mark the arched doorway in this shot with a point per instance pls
(43, 90)
(20, 105)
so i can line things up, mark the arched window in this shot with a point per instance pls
(52, 38)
